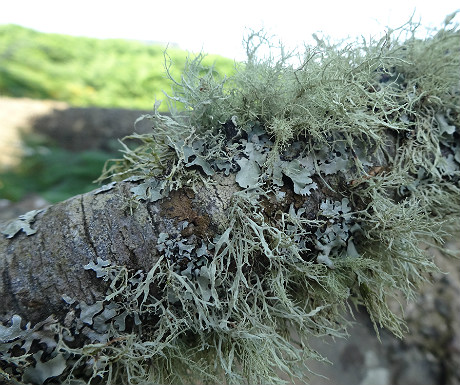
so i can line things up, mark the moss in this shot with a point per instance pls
(329, 176)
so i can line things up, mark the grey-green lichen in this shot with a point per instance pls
(344, 166)
(22, 223)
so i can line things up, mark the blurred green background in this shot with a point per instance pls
(83, 72)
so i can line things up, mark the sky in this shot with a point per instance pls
(218, 27)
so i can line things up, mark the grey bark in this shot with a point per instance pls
(38, 270)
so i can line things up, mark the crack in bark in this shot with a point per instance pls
(132, 255)
(86, 228)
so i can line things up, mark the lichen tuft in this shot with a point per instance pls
(329, 177)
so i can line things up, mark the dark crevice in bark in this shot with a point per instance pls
(86, 228)
(132, 255)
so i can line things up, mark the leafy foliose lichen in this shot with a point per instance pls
(23, 223)
(344, 166)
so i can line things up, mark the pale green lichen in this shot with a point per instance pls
(369, 130)
(23, 223)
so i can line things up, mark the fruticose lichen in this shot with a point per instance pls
(344, 166)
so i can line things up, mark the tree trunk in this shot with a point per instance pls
(38, 269)
(45, 254)
(108, 224)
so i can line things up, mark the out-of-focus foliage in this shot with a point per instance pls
(52, 172)
(86, 71)
(83, 72)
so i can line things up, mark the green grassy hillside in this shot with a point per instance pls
(83, 72)
(88, 72)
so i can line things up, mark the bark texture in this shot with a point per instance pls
(37, 270)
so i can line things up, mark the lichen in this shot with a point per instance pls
(22, 223)
(338, 170)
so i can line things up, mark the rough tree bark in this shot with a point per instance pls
(38, 269)
(322, 199)
(43, 261)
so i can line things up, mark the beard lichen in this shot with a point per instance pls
(339, 168)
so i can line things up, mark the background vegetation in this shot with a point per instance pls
(88, 72)
(52, 172)
(82, 72)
